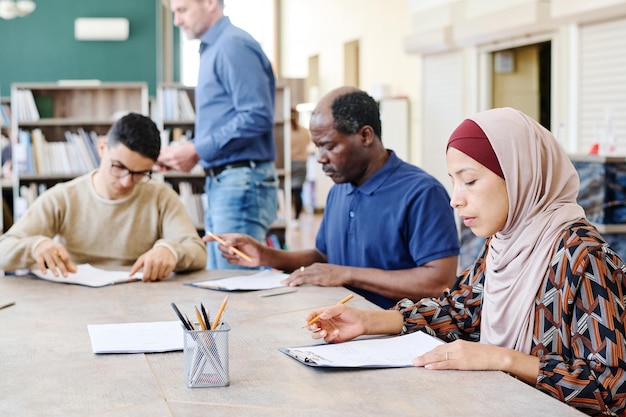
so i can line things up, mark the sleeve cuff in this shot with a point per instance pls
(171, 249)
(36, 243)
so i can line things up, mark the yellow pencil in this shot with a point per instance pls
(200, 319)
(234, 249)
(218, 317)
(316, 318)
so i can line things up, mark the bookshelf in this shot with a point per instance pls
(282, 138)
(5, 181)
(55, 127)
(175, 116)
(176, 112)
(5, 115)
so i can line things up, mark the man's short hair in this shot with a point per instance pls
(138, 133)
(352, 111)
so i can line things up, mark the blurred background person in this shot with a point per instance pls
(300, 148)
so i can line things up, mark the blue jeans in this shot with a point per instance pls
(240, 200)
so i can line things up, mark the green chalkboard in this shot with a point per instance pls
(41, 47)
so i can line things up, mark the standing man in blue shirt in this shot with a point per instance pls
(233, 139)
(388, 230)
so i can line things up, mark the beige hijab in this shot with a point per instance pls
(542, 186)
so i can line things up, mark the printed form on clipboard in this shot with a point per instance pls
(385, 352)
(263, 280)
(90, 276)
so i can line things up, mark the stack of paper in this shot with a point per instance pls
(160, 336)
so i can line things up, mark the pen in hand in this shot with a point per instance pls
(234, 249)
(316, 318)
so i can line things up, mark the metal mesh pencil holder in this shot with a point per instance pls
(206, 357)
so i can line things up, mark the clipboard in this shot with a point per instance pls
(263, 280)
(377, 352)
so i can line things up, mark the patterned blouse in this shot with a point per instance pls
(579, 334)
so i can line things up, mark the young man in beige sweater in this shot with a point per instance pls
(112, 216)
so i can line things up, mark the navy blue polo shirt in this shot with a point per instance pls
(400, 218)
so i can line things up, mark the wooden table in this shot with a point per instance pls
(47, 367)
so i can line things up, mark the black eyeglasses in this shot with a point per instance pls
(120, 171)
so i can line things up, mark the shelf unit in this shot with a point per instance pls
(282, 140)
(48, 111)
(175, 117)
(170, 116)
(175, 111)
(5, 183)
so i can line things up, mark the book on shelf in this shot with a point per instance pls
(175, 136)
(185, 107)
(85, 148)
(177, 105)
(27, 109)
(39, 151)
(193, 204)
(5, 113)
(76, 155)
(24, 154)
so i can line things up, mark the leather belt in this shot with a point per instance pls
(215, 171)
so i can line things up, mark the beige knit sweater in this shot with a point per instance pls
(104, 232)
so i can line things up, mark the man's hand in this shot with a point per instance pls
(157, 264)
(53, 256)
(244, 243)
(181, 157)
(325, 275)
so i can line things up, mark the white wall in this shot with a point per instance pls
(322, 27)
(490, 26)
(397, 35)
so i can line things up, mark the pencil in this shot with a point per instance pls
(9, 304)
(200, 319)
(218, 317)
(316, 318)
(189, 323)
(180, 316)
(205, 316)
(234, 249)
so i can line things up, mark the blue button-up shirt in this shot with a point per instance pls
(234, 98)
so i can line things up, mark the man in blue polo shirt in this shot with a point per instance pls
(388, 230)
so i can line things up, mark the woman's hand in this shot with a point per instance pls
(338, 323)
(464, 355)
(341, 322)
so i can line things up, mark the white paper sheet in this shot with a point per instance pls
(263, 280)
(387, 352)
(90, 276)
(160, 336)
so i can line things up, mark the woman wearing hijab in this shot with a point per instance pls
(544, 299)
